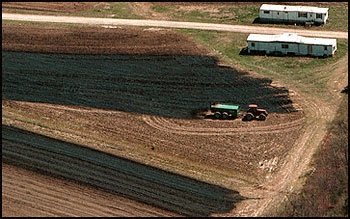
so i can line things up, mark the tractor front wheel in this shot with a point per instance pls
(262, 117)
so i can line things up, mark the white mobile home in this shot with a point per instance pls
(291, 44)
(292, 14)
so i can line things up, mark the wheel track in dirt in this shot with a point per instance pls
(166, 125)
(140, 138)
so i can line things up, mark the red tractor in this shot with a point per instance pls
(255, 113)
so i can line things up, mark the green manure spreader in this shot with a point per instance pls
(225, 111)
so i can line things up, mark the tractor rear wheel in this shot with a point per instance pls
(262, 117)
(217, 115)
(249, 116)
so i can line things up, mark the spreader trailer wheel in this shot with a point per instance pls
(225, 115)
(217, 115)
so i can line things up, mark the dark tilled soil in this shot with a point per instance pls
(94, 40)
(152, 81)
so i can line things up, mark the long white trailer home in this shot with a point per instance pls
(292, 14)
(291, 44)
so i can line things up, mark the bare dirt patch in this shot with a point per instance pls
(66, 7)
(94, 40)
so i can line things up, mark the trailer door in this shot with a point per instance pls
(325, 51)
(311, 16)
(309, 49)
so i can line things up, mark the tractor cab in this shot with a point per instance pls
(255, 113)
(253, 108)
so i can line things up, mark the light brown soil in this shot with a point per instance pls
(28, 193)
(146, 95)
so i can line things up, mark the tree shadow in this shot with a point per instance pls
(163, 85)
(127, 178)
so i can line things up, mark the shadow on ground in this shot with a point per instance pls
(244, 51)
(285, 22)
(117, 175)
(163, 85)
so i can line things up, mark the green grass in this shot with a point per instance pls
(307, 73)
(220, 14)
(160, 9)
(116, 9)
(246, 14)
(338, 18)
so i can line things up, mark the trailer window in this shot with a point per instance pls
(302, 14)
(266, 12)
(284, 46)
(325, 47)
(253, 44)
(318, 15)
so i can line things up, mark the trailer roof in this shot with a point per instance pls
(291, 38)
(288, 8)
(225, 106)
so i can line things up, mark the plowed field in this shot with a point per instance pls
(123, 91)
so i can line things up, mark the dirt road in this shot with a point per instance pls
(172, 24)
